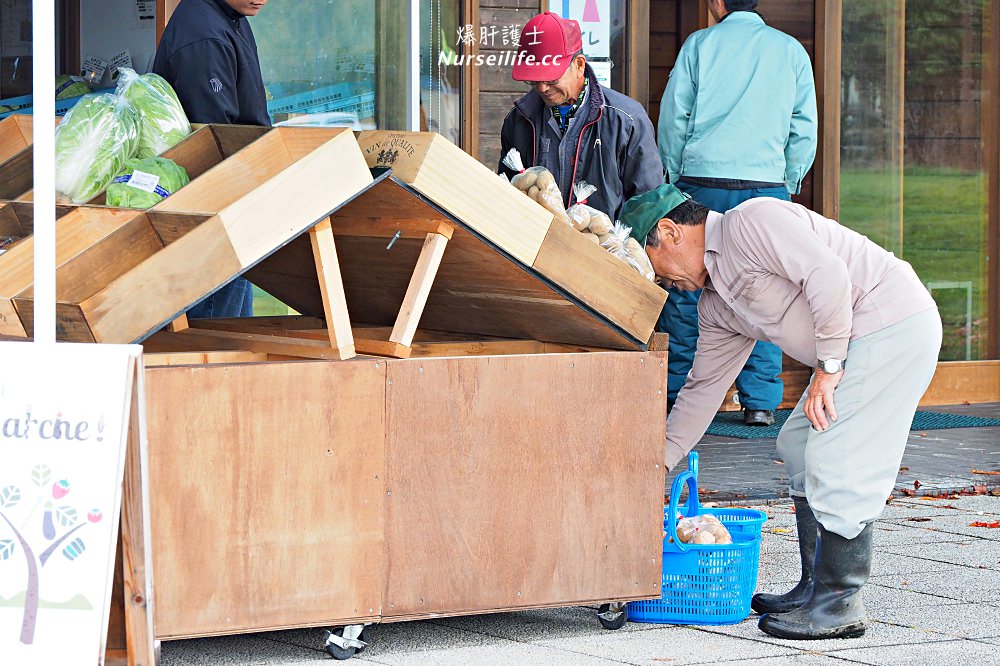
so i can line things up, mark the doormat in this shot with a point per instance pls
(730, 424)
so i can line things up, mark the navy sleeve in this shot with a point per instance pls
(203, 75)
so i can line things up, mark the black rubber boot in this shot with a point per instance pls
(805, 523)
(835, 609)
(758, 417)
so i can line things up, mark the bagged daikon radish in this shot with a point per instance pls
(538, 183)
(584, 217)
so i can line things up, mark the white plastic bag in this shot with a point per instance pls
(538, 183)
(703, 529)
(584, 217)
(619, 243)
(163, 121)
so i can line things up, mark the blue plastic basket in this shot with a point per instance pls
(704, 584)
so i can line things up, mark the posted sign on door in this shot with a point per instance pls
(64, 416)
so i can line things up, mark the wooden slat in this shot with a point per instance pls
(620, 294)
(16, 174)
(15, 135)
(638, 51)
(826, 172)
(201, 358)
(375, 227)
(267, 496)
(260, 343)
(136, 542)
(331, 286)
(587, 480)
(419, 289)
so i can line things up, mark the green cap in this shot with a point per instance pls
(643, 211)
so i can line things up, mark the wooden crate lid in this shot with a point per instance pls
(234, 215)
(479, 288)
(487, 206)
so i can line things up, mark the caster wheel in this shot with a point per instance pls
(346, 652)
(612, 616)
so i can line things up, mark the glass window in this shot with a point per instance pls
(346, 62)
(912, 153)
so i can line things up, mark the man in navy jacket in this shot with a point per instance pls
(209, 56)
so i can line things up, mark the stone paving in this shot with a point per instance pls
(934, 594)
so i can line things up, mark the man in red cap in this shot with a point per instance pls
(572, 125)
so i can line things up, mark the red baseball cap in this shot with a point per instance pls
(546, 47)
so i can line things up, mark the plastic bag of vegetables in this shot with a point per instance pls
(538, 183)
(93, 141)
(164, 123)
(146, 182)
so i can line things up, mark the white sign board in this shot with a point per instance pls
(594, 17)
(64, 416)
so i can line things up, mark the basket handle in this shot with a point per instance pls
(692, 504)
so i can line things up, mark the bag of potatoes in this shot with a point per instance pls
(538, 183)
(703, 529)
(620, 243)
(584, 218)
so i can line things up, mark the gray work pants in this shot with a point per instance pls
(847, 471)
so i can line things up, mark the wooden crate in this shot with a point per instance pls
(76, 232)
(15, 134)
(235, 214)
(314, 493)
(492, 209)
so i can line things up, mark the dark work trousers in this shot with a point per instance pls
(759, 383)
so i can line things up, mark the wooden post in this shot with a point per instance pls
(331, 286)
(826, 173)
(418, 289)
(136, 544)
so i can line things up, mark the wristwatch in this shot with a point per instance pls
(832, 366)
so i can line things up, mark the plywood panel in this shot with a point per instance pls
(523, 481)
(266, 495)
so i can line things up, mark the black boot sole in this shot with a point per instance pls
(850, 631)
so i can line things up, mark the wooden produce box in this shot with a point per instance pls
(503, 450)
(291, 494)
(226, 220)
(15, 135)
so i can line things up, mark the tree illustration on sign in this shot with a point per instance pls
(54, 518)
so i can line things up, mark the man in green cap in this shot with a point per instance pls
(830, 298)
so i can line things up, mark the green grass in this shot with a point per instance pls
(266, 305)
(943, 234)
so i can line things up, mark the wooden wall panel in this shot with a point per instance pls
(497, 91)
(574, 456)
(266, 494)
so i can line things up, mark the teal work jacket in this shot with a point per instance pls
(740, 104)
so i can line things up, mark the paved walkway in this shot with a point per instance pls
(934, 596)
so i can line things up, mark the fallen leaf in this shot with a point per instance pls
(980, 523)
(904, 469)
(984, 471)
(917, 484)
(908, 492)
(917, 519)
(995, 492)
(781, 530)
(979, 489)
(779, 462)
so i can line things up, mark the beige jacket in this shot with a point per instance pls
(782, 273)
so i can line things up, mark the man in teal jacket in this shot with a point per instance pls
(737, 121)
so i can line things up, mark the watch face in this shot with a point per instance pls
(831, 366)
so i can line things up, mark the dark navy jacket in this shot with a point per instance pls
(208, 54)
(609, 144)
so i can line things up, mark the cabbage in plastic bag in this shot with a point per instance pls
(155, 179)
(164, 123)
(93, 142)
